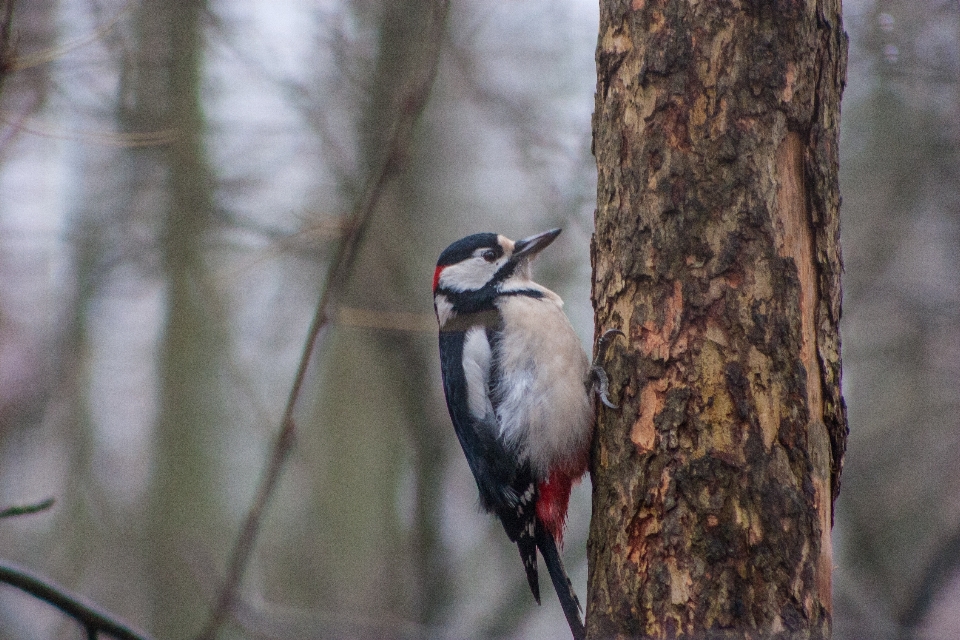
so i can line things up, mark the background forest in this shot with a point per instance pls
(174, 181)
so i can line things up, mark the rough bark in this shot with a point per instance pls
(717, 253)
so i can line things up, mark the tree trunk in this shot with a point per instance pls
(171, 185)
(7, 51)
(364, 562)
(717, 253)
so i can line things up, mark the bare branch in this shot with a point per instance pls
(93, 619)
(130, 140)
(18, 63)
(26, 509)
(408, 103)
(386, 320)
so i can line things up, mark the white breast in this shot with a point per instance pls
(544, 407)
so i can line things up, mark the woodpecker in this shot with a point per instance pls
(518, 386)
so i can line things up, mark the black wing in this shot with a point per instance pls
(505, 482)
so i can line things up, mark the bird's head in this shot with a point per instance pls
(474, 270)
(487, 260)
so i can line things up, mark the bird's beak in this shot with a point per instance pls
(529, 247)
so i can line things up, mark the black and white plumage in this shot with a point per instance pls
(517, 383)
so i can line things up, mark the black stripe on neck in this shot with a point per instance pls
(529, 293)
(483, 299)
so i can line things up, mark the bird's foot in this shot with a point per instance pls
(601, 386)
(601, 383)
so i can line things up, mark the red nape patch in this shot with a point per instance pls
(552, 503)
(436, 277)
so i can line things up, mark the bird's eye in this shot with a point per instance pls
(489, 255)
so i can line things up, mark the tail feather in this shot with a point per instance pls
(528, 554)
(561, 582)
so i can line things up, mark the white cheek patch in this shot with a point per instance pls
(468, 275)
(476, 369)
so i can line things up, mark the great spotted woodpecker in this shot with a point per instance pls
(518, 388)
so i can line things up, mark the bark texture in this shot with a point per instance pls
(717, 253)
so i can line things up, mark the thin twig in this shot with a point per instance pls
(93, 619)
(15, 124)
(287, 434)
(19, 63)
(386, 320)
(130, 140)
(26, 509)
(409, 103)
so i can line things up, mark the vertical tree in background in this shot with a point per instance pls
(25, 85)
(901, 224)
(6, 48)
(374, 422)
(389, 277)
(170, 186)
(717, 253)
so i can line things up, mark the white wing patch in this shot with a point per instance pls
(444, 309)
(476, 369)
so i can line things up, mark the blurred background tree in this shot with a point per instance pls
(174, 179)
(897, 534)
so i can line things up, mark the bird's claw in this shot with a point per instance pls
(604, 342)
(601, 383)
